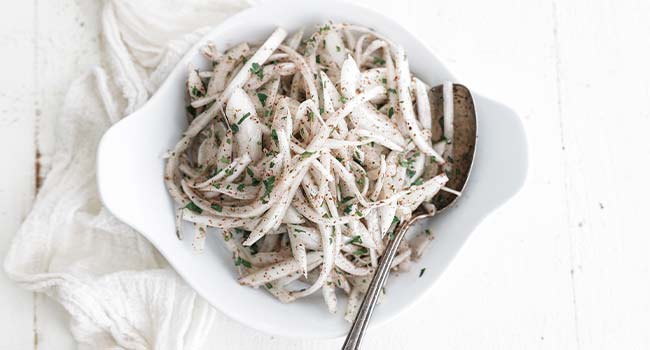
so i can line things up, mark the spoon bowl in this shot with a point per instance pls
(465, 138)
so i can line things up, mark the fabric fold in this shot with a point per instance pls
(120, 293)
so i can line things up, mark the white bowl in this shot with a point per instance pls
(130, 178)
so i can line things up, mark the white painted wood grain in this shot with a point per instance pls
(68, 35)
(604, 94)
(17, 150)
(564, 265)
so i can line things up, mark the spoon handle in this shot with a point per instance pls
(360, 324)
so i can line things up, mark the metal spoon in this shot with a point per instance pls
(461, 160)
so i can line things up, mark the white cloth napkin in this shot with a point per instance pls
(120, 293)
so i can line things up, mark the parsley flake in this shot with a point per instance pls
(274, 136)
(306, 155)
(241, 120)
(262, 97)
(193, 207)
(257, 70)
(240, 261)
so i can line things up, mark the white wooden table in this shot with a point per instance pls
(565, 265)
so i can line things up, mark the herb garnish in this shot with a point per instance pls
(193, 207)
(306, 155)
(355, 239)
(360, 251)
(257, 70)
(191, 110)
(262, 97)
(274, 136)
(268, 187)
(196, 92)
(241, 120)
(240, 261)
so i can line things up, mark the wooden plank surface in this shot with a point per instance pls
(603, 106)
(564, 265)
(17, 152)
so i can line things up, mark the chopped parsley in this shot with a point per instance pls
(395, 220)
(343, 99)
(193, 207)
(422, 271)
(262, 97)
(410, 173)
(257, 70)
(383, 80)
(392, 90)
(268, 286)
(216, 207)
(250, 173)
(274, 136)
(391, 111)
(240, 261)
(196, 92)
(355, 239)
(418, 182)
(338, 48)
(224, 160)
(234, 128)
(268, 187)
(346, 199)
(378, 60)
(241, 120)
(191, 110)
(241, 187)
(318, 59)
(306, 155)
(360, 251)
